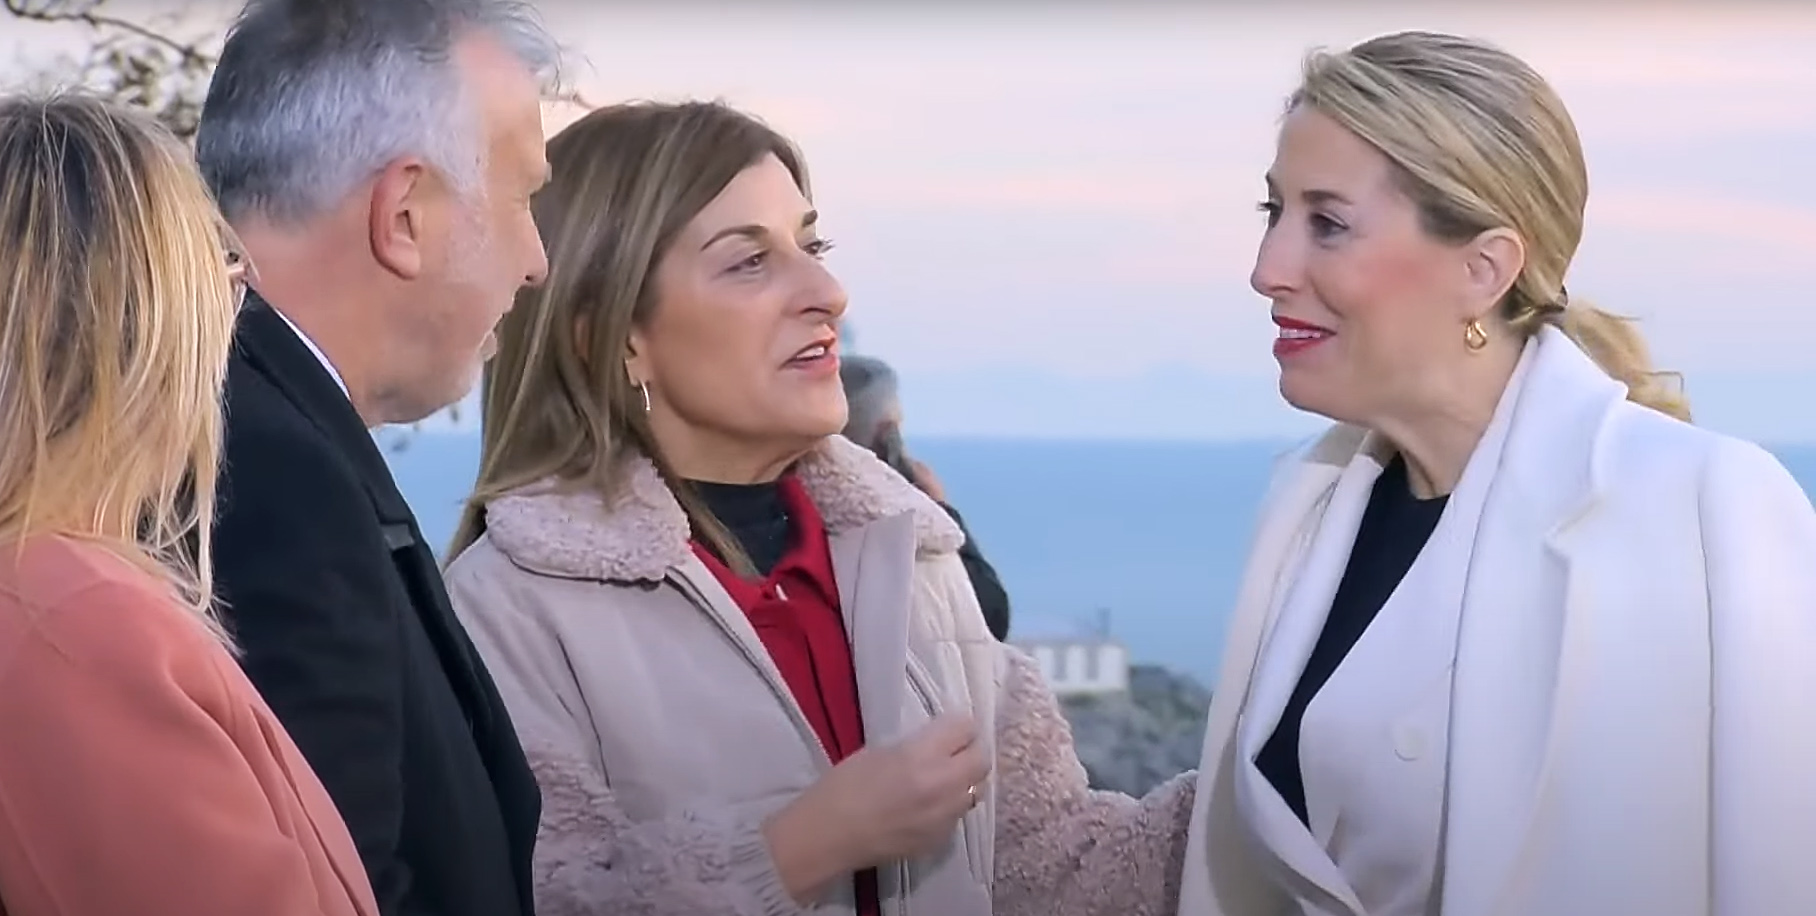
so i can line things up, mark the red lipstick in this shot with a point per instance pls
(1298, 336)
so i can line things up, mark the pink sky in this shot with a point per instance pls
(1045, 214)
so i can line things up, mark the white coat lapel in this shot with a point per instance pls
(1307, 580)
(1303, 601)
(1298, 491)
(1511, 645)
(1295, 504)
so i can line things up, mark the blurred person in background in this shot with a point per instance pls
(377, 160)
(744, 656)
(1514, 637)
(140, 771)
(872, 393)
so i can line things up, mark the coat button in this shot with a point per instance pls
(1409, 742)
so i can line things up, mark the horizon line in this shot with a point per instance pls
(1272, 441)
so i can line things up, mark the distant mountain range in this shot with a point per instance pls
(1182, 403)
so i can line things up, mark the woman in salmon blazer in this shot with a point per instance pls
(139, 771)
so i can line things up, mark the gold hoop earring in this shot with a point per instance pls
(644, 387)
(1475, 337)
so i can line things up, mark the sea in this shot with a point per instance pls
(1144, 540)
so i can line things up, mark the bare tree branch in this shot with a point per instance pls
(130, 62)
(139, 64)
(75, 11)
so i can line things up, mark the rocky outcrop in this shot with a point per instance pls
(1132, 742)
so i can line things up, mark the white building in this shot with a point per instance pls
(1075, 660)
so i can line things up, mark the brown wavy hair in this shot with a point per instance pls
(558, 401)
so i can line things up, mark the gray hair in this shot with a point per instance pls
(871, 391)
(312, 97)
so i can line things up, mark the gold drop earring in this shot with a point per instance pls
(1475, 337)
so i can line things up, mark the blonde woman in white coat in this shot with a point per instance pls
(1514, 639)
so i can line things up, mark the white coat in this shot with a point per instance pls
(1632, 712)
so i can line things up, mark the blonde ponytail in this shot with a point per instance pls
(1615, 344)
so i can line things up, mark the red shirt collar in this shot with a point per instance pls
(808, 560)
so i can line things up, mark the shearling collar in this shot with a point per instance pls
(643, 533)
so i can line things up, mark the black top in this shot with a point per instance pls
(755, 516)
(1394, 528)
(757, 519)
(350, 638)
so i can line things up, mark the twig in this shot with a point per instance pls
(191, 54)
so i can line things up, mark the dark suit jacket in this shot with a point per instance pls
(347, 632)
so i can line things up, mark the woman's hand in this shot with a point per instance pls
(882, 804)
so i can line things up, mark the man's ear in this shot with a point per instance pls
(398, 219)
(1492, 264)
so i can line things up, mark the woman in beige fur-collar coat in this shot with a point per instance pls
(742, 654)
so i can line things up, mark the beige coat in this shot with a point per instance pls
(663, 735)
